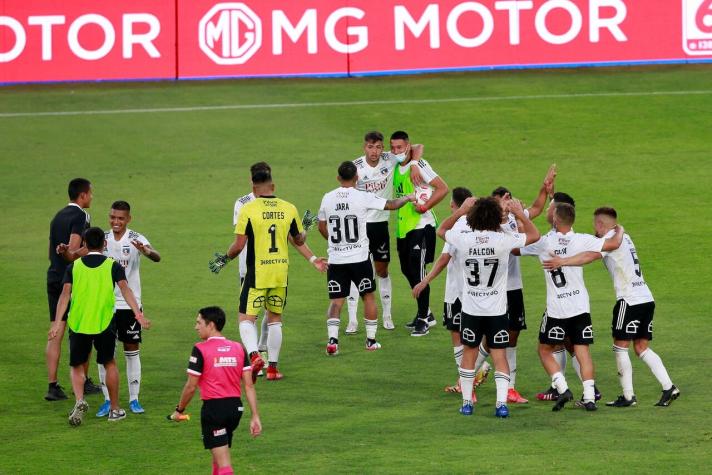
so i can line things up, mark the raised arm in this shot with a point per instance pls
(440, 190)
(416, 153)
(532, 233)
(392, 204)
(547, 189)
(72, 250)
(450, 221)
(580, 259)
(615, 241)
(147, 250)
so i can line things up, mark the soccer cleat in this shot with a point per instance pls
(668, 396)
(117, 415)
(262, 349)
(562, 400)
(502, 411)
(104, 409)
(589, 406)
(421, 328)
(549, 395)
(257, 363)
(623, 402)
(454, 388)
(332, 348)
(273, 374)
(55, 393)
(136, 407)
(482, 373)
(90, 387)
(388, 323)
(351, 328)
(596, 393)
(77, 415)
(431, 320)
(474, 396)
(467, 409)
(412, 323)
(513, 396)
(372, 345)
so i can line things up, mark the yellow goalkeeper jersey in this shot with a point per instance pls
(266, 222)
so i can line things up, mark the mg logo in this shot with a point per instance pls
(230, 33)
(697, 27)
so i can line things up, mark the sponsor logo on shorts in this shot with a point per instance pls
(587, 332)
(193, 359)
(650, 327)
(632, 327)
(219, 432)
(365, 285)
(501, 337)
(333, 286)
(468, 335)
(556, 333)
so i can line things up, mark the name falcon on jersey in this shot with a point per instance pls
(481, 251)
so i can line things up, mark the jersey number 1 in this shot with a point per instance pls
(273, 238)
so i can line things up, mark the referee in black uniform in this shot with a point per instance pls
(65, 246)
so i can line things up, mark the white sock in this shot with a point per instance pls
(332, 327)
(274, 342)
(458, 351)
(371, 327)
(384, 288)
(512, 361)
(577, 366)
(560, 356)
(482, 355)
(501, 380)
(264, 331)
(657, 367)
(102, 380)
(559, 382)
(352, 304)
(248, 335)
(588, 392)
(625, 371)
(133, 373)
(467, 381)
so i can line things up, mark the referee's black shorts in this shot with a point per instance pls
(218, 420)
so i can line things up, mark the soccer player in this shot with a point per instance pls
(415, 228)
(239, 203)
(126, 247)
(568, 309)
(632, 313)
(483, 252)
(342, 221)
(264, 226)
(375, 170)
(89, 284)
(218, 367)
(65, 246)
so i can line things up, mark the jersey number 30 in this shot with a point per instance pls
(346, 228)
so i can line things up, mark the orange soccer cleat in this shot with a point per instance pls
(273, 374)
(513, 396)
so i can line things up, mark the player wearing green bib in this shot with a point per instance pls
(415, 227)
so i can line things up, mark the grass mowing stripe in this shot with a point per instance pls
(353, 103)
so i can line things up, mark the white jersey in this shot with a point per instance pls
(242, 201)
(624, 267)
(126, 254)
(378, 180)
(454, 280)
(514, 277)
(345, 212)
(428, 174)
(566, 294)
(484, 257)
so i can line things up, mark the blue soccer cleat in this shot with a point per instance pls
(467, 409)
(104, 409)
(502, 411)
(135, 407)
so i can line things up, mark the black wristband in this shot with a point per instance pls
(179, 410)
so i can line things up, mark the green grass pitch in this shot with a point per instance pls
(649, 155)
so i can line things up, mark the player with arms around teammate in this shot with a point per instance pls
(568, 311)
(89, 285)
(126, 247)
(415, 228)
(375, 170)
(632, 313)
(342, 221)
(483, 251)
(218, 366)
(264, 226)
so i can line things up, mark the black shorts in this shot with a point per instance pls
(515, 310)
(379, 241)
(494, 328)
(452, 315)
(633, 322)
(578, 329)
(418, 241)
(54, 290)
(128, 330)
(218, 420)
(80, 346)
(340, 276)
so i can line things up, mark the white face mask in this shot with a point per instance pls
(400, 158)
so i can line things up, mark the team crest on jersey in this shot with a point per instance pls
(125, 250)
(384, 171)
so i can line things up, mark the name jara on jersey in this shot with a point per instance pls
(342, 206)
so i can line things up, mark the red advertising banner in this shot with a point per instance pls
(43, 40)
(86, 40)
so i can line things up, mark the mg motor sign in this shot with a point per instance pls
(697, 27)
(230, 33)
(86, 40)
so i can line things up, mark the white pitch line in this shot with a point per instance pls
(294, 105)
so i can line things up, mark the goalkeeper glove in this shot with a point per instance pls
(309, 220)
(218, 263)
